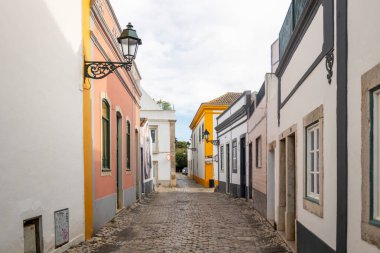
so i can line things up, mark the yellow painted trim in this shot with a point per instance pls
(87, 145)
(209, 125)
(201, 181)
(204, 108)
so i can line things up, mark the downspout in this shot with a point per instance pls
(342, 166)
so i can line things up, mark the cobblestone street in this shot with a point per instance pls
(188, 218)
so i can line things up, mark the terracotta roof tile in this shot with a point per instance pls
(227, 99)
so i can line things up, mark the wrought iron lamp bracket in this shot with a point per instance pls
(329, 65)
(99, 69)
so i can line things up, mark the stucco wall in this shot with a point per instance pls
(215, 148)
(363, 54)
(272, 144)
(226, 137)
(200, 153)
(314, 92)
(122, 94)
(257, 129)
(41, 155)
(163, 149)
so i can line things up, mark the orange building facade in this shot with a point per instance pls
(115, 120)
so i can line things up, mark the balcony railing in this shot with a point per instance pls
(292, 17)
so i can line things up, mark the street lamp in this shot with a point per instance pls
(129, 42)
(206, 135)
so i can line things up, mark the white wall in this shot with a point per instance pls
(364, 53)
(272, 135)
(226, 137)
(160, 120)
(215, 149)
(199, 154)
(314, 92)
(41, 155)
(163, 138)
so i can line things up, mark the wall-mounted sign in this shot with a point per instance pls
(208, 160)
(168, 157)
(61, 221)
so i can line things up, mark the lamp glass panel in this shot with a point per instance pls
(132, 46)
(124, 46)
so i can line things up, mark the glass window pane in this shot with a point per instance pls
(317, 140)
(311, 140)
(312, 161)
(153, 134)
(317, 162)
(132, 47)
(312, 183)
(104, 139)
(105, 110)
(317, 175)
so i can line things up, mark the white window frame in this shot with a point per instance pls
(313, 161)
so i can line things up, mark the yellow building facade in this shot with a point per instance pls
(203, 165)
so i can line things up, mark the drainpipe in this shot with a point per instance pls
(342, 166)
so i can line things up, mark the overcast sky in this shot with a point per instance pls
(196, 50)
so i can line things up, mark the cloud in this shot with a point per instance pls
(196, 50)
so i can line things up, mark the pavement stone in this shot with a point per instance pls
(188, 218)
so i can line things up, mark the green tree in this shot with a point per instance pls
(165, 105)
(181, 160)
(181, 155)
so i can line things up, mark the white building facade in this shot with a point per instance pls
(326, 143)
(162, 131)
(231, 132)
(41, 158)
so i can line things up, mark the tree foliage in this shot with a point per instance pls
(165, 105)
(181, 154)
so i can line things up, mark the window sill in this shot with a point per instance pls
(311, 199)
(375, 223)
(314, 206)
(370, 232)
(128, 172)
(106, 172)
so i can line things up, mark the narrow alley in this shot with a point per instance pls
(188, 218)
